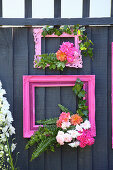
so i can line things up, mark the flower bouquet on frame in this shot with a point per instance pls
(73, 129)
(69, 54)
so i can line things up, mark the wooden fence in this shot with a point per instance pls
(16, 60)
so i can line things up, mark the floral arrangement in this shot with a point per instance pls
(71, 128)
(68, 54)
(6, 131)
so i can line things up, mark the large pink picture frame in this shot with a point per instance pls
(31, 82)
(37, 33)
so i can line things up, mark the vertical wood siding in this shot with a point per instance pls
(16, 60)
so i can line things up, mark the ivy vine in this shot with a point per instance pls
(85, 45)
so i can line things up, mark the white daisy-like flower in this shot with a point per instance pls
(74, 133)
(86, 125)
(79, 128)
(74, 144)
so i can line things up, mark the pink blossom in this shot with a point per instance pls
(60, 139)
(86, 138)
(65, 125)
(67, 137)
(70, 51)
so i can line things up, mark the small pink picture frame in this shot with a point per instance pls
(37, 33)
(31, 82)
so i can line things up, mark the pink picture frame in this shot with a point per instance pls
(31, 82)
(37, 33)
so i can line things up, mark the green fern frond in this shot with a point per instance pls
(64, 109)
(47, 121)
(43, 146)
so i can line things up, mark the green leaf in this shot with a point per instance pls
(81, 93)
(64, 109)
(43, 146)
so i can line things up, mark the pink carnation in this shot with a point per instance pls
(86, 138)
(64, 117)
(70, 51)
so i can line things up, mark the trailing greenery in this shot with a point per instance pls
(51, 61)
(85, 45)
(45, 137)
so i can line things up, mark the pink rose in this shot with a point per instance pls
(67, 137)
(60, 139)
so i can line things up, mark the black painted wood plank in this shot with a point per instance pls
(110, 150)
(0, 8)
(52, 98)
(111, 8)
(86, 8)
(99, 68)
(39, 95)
(69, 155)
(56, 21)
(28, 8)
(20, 48)
(57, 8)
(68, 99)
(85, 154)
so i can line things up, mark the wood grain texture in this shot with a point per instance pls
(52, 99)
(99, 68)
(57, 8)
(40, 112)
(109, 120)
(20, 49)
(86, 8)
(56, 21)
(28, 8)
(16, 59)
(85, 155)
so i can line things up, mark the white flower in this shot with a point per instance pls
(0, 85)
(73, 133)
(7, 134)
(7, 159)
(74, 144)
(1, 153)
(9, 118)
(4, 129)
(86, 125)
(65, 125)
(2, 118)
(79, 128)
(3, 138)
(11, 130)
(5, 148)
(2, 92)
(1, 147)
(13, 146)
(60, 133)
